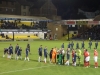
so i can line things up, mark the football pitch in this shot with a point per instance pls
(33, 67)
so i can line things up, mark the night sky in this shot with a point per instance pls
(68, 7)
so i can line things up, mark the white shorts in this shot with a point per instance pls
(87, 58)
(95, 58)
(68, 48)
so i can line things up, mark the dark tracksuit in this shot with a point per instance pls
(90, 44)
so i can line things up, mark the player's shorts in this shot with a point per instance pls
(19, 54)
(87, 58)
(40, 53)
(11, 52)
(45, 55)
(68, 48)
(95, 58)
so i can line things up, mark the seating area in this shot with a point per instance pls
(23, 24)
(20, 37)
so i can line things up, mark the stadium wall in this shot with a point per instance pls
(39, 34)
(57, 29)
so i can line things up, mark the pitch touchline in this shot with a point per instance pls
(25, 69)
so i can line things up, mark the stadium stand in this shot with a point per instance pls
(23, 25)
(93, 33)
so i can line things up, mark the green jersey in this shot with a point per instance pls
(79, 53)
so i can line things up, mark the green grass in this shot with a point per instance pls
(21, 67)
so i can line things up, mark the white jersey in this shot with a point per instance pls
(63, 51)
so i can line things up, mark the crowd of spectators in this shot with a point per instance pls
(93, 33)
(14, 25)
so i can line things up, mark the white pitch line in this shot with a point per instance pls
(24, 69)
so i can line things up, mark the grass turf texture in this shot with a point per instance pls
(21, 67)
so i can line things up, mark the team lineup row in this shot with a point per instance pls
(56, 55)
(61, 53)
(18, 51)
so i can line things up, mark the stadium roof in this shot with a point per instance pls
(23, 17)
(97, 18)
(80, 20)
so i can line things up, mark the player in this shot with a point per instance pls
(79, 56)
(54, 55)
(27, 52)
(73, 51)
(60, 58)
(77, 45)
(50, 55)
(96, 45)
(83, 45)
(10, 51)
(96, 58)
(74, 59)
(45, 54)
(40, 53)
(69, 45)
(28, 46)
(90, 44)
(16, 50)
(19, 51)
(87, 58)
(68, 57)
(62, 46)
(5, 51)
(72, 45)
(63, 55)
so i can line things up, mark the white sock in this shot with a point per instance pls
(25, 58)
(68, 62)
(3, 55)
(17, 57)
(28, 58)
(39, 59)
(45, 60)
(7, 56)
(74, 63)
(10, 56)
